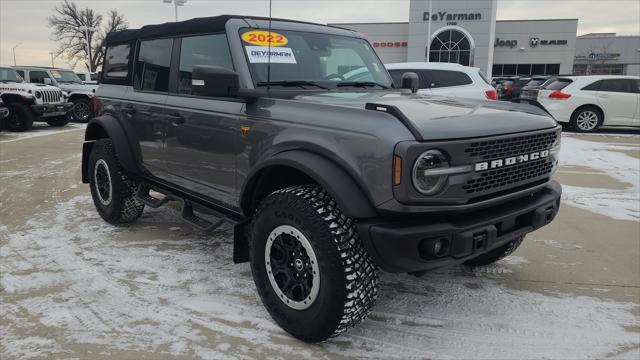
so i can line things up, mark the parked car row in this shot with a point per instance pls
(50, 95)
(582, 103)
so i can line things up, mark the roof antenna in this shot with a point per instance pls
(269, 54)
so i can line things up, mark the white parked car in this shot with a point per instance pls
(588, 102)
(446, 79)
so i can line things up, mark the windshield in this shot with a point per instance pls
(312, 59)
(8, 74)
(65, 76)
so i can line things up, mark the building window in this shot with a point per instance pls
(525, 69)
(598, 69)
(451, 46)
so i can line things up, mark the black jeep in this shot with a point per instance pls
(326, 178)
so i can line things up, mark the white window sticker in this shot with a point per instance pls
(279, 55)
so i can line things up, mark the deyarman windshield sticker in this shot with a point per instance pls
(279, 55)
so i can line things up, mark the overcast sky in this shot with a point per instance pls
(25, 20)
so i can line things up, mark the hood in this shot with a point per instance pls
(440, 118)
(68, 87)
(25, 86)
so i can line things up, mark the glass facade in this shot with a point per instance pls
(525, 69)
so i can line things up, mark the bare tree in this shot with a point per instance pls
(71, 26)
(596, 54)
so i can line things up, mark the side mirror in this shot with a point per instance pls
(410, 81)
(48, 81)
(214, 81)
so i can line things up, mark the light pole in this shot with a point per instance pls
(429, 31)
(176, 3)
(52, 64)
(14, 54)
(86, 30)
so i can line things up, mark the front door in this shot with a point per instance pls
(618, 100)
(202, 137)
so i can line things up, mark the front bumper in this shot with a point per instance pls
(396, 245)
(48, 110)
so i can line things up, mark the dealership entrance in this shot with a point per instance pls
(451, 45)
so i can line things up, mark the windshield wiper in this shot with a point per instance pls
(361, 84)
(300, 83)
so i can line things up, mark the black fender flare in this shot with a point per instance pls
(334, 179)
(107, 126)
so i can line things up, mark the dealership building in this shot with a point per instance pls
(467, 32)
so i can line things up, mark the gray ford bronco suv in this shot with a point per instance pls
(326, 179)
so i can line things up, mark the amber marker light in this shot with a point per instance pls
(397, 170)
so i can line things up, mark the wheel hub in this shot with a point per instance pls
(102, 179)
(81, 111)
(292, 267)
(587, 120)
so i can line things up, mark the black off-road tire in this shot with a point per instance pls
(85, 104)
(496, 254)
(20, 117)
(578, 119)
(58, 121)
(348, 276)
(122, 207)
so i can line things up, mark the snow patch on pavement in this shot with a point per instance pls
(176, 294)
(610, 159)
(39, 129)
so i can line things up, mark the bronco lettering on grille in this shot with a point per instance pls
(493, 164)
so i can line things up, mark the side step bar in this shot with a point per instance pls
(187, 213)
(144, 197)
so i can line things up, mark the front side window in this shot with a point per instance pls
(153, 64)
(327, 60)
(202, 50)
(38, 76)
(116, 62)
(616, 85)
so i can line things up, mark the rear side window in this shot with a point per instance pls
(153, 65)
(616, 85)
(558, 84)
(445, 78)
(38, 76)
(116, 63)
(593, 86)
(202, 50)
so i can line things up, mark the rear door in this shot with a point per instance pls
(618, 100)
(202, 138)
(144, 108)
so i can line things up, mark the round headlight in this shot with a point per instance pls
(38, 94)
(425, 177)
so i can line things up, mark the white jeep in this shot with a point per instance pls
(31, 102)
(79, 93)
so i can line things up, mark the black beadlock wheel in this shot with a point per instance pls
(112, 189)
(496, 254)
(81, 111)
(20, 117)
(310, 267)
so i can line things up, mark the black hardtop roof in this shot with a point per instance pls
(191, 26)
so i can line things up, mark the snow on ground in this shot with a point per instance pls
(145, 288)
(38, 129)
(608, 158)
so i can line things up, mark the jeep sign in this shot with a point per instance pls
(505, 43)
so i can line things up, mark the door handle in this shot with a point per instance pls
(129, 111)
(176, 119)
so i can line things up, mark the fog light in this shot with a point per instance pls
(434, 248)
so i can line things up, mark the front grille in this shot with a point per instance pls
(502, 148)
(51, 96)
(497, 178)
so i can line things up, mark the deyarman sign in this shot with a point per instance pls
(445, 16)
